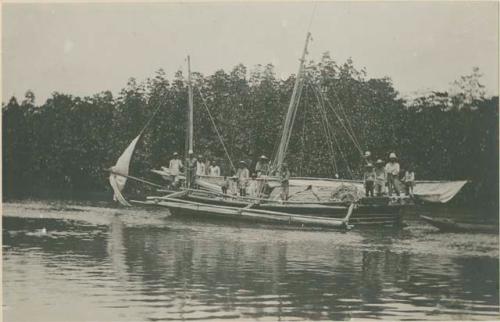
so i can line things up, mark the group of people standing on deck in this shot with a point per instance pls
(379, 176)
(240, 183)
(256, 185)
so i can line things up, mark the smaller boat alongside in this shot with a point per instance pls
(179, 206)
(449, 225)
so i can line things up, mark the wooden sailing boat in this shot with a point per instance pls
(316, 210)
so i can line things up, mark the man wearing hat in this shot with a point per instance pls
(392, 170)
(242, 174)
(380, 177)
(175, 168)
(262, 166)
(369, 179)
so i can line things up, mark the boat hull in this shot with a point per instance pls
(448, 225)
(179, 207)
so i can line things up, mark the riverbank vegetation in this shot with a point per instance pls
(67, 141)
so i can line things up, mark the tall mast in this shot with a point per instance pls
(292, 110)
(190, 108)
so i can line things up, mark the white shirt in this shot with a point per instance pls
(200, 168)
(214, 171)
(175, 166)
(392, 168)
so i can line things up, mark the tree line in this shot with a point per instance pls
(66, 142)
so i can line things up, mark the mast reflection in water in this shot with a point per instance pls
(75, 262)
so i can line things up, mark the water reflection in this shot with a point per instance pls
(102, 264)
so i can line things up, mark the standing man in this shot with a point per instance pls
(380, 177)
(175, 168)
(214, 169)
(191, 164)
(242, 174)
(262, 166)
(392, 170)
(200, 166)
(285, 181)
(369, 179)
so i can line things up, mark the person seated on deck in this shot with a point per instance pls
(262, 166)
(369, 179)
(380, 177)
(175, 168)
(409, 181)
(214, 169)
(285, 181)
(242, 174)
(200, 166)
(253, 186)
(392, 170)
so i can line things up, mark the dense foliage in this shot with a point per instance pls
(66, 142)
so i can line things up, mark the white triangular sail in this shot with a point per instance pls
(120, 170)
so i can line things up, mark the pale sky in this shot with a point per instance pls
(83, 49)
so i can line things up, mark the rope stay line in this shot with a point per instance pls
(330, 133)
(216, 130)
(349, 128)
(327, 130)
(342, 109)
(330, 129)
(341, 121)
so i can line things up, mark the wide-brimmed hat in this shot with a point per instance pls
(369, 165)
(367, 154)
(263, 157)
(176, 154)
(392, 156)
(200, 156)
(379, 161)
(243, 162)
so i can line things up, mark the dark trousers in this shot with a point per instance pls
(369, 186)
(392, 184)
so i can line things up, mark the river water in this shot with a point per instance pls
(77, 261)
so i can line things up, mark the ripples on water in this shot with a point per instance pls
(91, 262)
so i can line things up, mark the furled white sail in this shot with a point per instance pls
(119, 171)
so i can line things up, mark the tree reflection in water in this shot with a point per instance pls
(115, 266)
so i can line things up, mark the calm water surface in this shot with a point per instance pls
(91, 262)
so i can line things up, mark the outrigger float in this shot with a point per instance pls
(313, 202)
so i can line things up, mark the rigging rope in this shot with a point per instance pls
(216, 130)
(341, 121)
(341, 106)
(331, 133)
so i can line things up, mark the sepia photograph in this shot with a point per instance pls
(250, 161)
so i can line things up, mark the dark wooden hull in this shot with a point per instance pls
(448, 225)
(373, 214)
